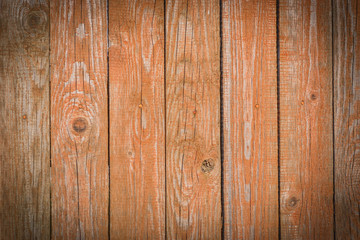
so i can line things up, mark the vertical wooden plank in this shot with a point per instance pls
(346, 29)
(250, 119)
(137, 116)
(79, 174)
(193, 161)
(24, 120)
(306, 144)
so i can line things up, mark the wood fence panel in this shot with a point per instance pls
(79, 122)
(346, 19)
(250, 119)
(137, 119)
(193, 161)
(24, 120)
(306, 132)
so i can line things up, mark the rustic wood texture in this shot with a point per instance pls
(24, 120)
(137, 119)
(79, 175)
(306, 144)
(346, 19)
(250, 120)
(193, 161)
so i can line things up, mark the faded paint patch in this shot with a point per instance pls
(80, 31)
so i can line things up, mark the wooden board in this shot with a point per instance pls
(24, 120)
(306, 132)
(137, 119)
(346, 20)
(250, 120)
(193, 161)
(79, 123)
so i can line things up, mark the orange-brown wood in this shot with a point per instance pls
(250, 119)
(79, 174)
(306, 132)
(24, 120)
(137, 119)
(346, 20)
(193, 161)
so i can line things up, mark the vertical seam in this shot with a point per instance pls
(333, 110)
(222, 124)
(49, 57)
(108, 109)
(165, 109)
(278, 110)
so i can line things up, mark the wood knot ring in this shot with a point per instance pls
(79, 125)
(207, 165)
(293, 202)
(35, 21)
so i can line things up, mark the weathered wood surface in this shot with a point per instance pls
(79, 119)
(193, 161)
(24, 120)
(346, 19)
(162, 175)
(137, 119)
(306, 142)
(250, 120)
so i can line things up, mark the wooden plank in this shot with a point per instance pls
(193, 161)
(79, 175)
(250, 120)
(137, 119)
(306, 143)
(24, 120)
(346, 19)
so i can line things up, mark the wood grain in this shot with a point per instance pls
(24, 120)
(306, 143)
(346, 19)
(137, 119)
(250, 120)
(79, 175)
(193, 161)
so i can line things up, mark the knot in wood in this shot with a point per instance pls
(207, 165)
(79, 125)
(35, 22)
(293, 202)
(313, 97)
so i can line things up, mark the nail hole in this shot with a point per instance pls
(207, 165)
